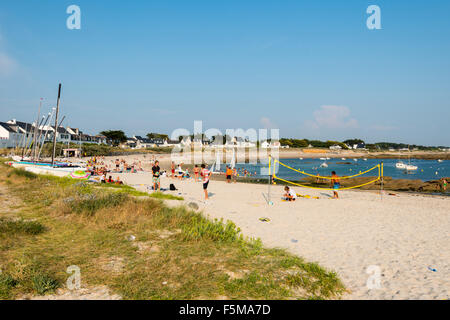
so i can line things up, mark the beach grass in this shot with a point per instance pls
(138, 247)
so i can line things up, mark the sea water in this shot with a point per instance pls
(427, 169)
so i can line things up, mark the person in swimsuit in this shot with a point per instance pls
(335, 183)
(206, 174)
(444, 184)
(172, 167)
(196, 173)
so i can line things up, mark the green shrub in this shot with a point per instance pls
(22, 173)
(201, 228)
(43, 283)
(20, 227)
(6, 284)
(160, 195)
(91, 203)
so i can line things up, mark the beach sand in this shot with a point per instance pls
(404, 235)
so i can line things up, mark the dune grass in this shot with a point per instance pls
(20, 226)
(175, 253)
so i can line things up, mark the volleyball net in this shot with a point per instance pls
(378, 169)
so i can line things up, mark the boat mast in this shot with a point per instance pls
(56, 125)
(36, 131)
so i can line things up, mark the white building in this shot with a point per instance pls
(273, 144)
(15, 133)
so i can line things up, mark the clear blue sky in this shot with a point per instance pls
(310, 68)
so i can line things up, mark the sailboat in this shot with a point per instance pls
(40, 167)
(324, 165)
(233, 160)
(400, 165)
(409, 166)
(215, 168)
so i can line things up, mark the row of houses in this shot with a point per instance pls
(138, 142)
(15, 133)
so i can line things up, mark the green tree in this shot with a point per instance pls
(117, 136)
(351, 142)
(157, 136)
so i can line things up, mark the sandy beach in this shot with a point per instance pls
(406, 236)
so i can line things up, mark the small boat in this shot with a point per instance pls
(323, 159)
(400, 165)
(440, 160)
(354, 159)
(365, 159)
(324, 165)
(328, 158)
(410, 167)
(343, 159)
(300, 158)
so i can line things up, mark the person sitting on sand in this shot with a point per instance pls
(290, 194)
(186, 174)
(180, 171)
(335, 183)
(118, 181)
(110, 179)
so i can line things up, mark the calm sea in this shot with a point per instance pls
(427, 169)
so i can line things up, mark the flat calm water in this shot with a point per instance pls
(427, 169)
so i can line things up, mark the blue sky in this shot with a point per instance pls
(310, 68)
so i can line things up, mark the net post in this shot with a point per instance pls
(382, 180)
(270, 182)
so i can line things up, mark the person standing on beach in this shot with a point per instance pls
(196, 173)
(228, 173)
(444, 185)
(335, 183)
(172, 167)
(206, 174)
(156, 170)
(235, 175)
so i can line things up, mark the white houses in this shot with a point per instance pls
(15, 133)
(273, 144)
(138, 142)
(9, 138)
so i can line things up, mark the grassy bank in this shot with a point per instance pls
(137, 247)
